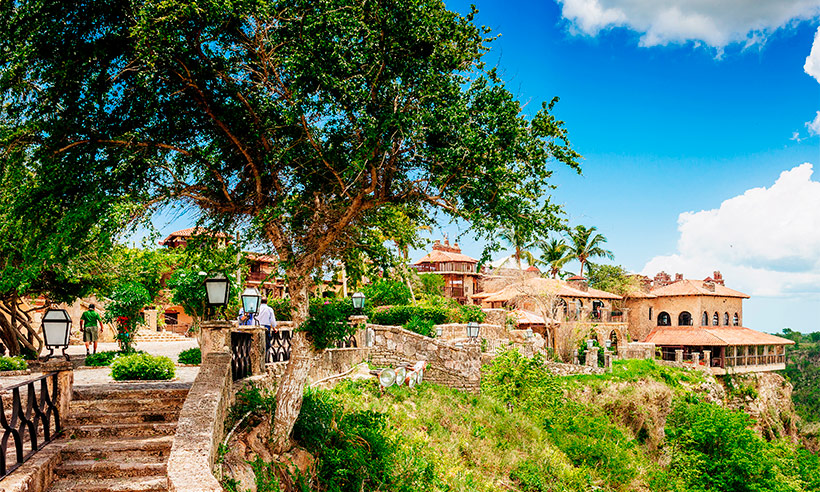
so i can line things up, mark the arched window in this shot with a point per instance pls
(725, 319)
(704, 321)
(664, 319)
(685, 319)
(613, 341)
(715, 319)
(736, 320)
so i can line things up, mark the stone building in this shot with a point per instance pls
(589, 312)
(704, 320)
(458, 270)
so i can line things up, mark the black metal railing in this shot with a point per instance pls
(241, 354)
(277, 346)
(29, 426)
(347, 342)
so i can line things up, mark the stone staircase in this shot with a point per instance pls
(118, 437)
(160, 336)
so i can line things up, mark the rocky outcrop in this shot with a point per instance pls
(767, 398)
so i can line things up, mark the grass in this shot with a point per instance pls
(633, 370)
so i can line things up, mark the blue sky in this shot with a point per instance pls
(686, 115)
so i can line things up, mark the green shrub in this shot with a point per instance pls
(142, 367)
(354, 451)
(13, 363)
(105, 358)
(386, 292)
(469, 313)
(281, 309)
(191, 356)
(401, 315)
(328, 321)
(420, 326)
(251, 399)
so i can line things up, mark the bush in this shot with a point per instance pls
(254, 400)
(281, 309)
(105, 358)
(354, 451)
(190, 356)
(469, 313)
(420, 326)
(13, 363)
(401, 315)
(142, 367)
(328, 321)
(385, 292)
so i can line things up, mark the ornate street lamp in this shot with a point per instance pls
(358, 301)
(217, 286)
(590, 343)
(473, 329)
(439, 331)
(250, 300)
(528, 333)
(56, 329)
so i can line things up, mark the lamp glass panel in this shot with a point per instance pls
(55, 332)
(358, 300)
(250, 301)
(217, 291)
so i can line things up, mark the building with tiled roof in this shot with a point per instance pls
(179, 239)
(459, 270)
(702, 319)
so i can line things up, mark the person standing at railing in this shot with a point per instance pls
(91, 326)
(266, 316)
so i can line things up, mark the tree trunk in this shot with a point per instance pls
(292, 384)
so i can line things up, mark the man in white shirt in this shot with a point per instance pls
(266, 316)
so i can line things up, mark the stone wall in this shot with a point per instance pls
(458, 368)
(561, 369)
(496, 316)
(458, 331)
(327, 363)
(201, 427)
(637, 350)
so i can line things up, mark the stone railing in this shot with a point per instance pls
(201, 427)
(458, 368)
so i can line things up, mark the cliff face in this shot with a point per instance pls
(767, 398)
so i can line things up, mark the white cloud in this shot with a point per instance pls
(812, 65)
(765, 241)
(796, 137)
(814, 125)
(715, 23)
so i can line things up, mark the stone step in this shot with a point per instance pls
(132, 391)
(126, 405)
(109, 469)
(122, 430)
(124, 484)
(157, 448)
(77, 419)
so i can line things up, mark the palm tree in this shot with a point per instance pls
(555, 254)
(519, 240)
(586, 244)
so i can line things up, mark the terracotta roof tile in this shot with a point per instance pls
(695, 288)
(437, 256)
(713, 336)
(192, 231)
(546, 286)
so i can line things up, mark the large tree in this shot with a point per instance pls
(301, 122)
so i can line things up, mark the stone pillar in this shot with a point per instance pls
(679, 355)
(151, 319)
(575, 359)
(695, 358)
(369, 337)
(608, 361)
(257, 347)
(65, 384)
(592, 357)
(707, 358)
(216, 337)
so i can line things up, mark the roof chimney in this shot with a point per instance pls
(678, 277)
(709, 285)
(579, 283)
(718, 277)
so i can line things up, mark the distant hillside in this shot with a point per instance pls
(803, 371)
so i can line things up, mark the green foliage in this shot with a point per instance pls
(521, 383)
(400, 315)
(281, 309)
(612, 278)
(251, 399)
(803, 371)
(587, 244)
(420, 326)
(428, 285)
(126, 303)
(328, 322)
(187, 285)
(355, 451)
(12, 363)
(387, 292)
(191, 356)
(468, 313)
(142, 367)
(104, 358)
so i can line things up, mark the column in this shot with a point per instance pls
(707, 358)
(696, 358)
(592, 357)
(608, 361)
(679, 355)
(216, 337)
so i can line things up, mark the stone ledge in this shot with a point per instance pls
(36, 474)
(200, 428)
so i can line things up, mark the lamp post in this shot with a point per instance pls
(250, 301)
(358, 302)
(56, 329)
(439, 331)
(528, 333)
(217, 289)
(472, 330)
